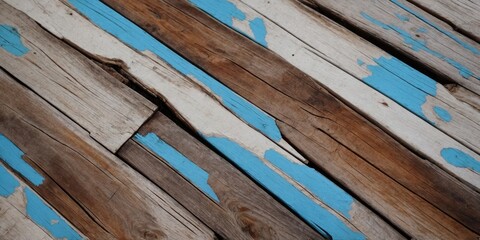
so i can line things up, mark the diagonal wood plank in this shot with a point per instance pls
(107, 109)
(242, 65)
(415, 33)
(244, 209)
(462, 15)
(55, 155)
(312, 51)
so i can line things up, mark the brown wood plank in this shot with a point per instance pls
(240, 210)
(335, 130)
(107, 109)
(71, 165)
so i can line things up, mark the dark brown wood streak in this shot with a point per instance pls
(359, 155)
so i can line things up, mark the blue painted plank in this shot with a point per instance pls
(196, 175)
(319, 218)
(420, 45)
(132, 35)
(12, 155)
(10, 40)
(45, 217)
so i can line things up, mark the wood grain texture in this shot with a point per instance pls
(107, 109)
(462, 15)
(314, 112)
(196, 106)
(417, 34)
(105, 191)
(244, 210)
(325, 50)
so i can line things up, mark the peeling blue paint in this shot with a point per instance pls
(8, 183)
(259, 31)
(422, 30)
(316, 183)
(319, 218)
(401, 83)
(402, 17)
(12, 155)
(196, 175)
(442, 114)
(45, 217)
(420, 44)
(225, 11)
(132, 35)
(360, 62)
(460, 159)
(10, 41)
(431, 23)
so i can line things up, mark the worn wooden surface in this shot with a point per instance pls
(109, 194)
(462, 15)
(314, 112)
(297, 128)
(417, 34)
(107, 109)
(313, 51)
(235, 207)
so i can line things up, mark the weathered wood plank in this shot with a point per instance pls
(415, 33)
(55, 155)
(213, 190)
(313, 53)
(314, 112)
(462, 15)
(16, 222)
(107, 109)
(236, 200)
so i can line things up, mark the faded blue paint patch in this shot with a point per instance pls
(401, 83)
(46, 218)
(422, 30)
(10, 40)
(132, 35)
(360, 62)
(12, 155)
(196, 175)
(431, 23)
(402, 17)
(319, 218)
(224, 11)
(460, 159)
(442, 114)
(259, 31)
(421, 45)
(8, 183)
(319, 185)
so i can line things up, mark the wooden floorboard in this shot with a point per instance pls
(239, 119)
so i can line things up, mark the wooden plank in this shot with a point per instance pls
(415, 33)
(462, 15)
(199, 110)
(55, 155)
(107, 109)
(244, 209)
(314, 54)
(315, 113)
(16, 209)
